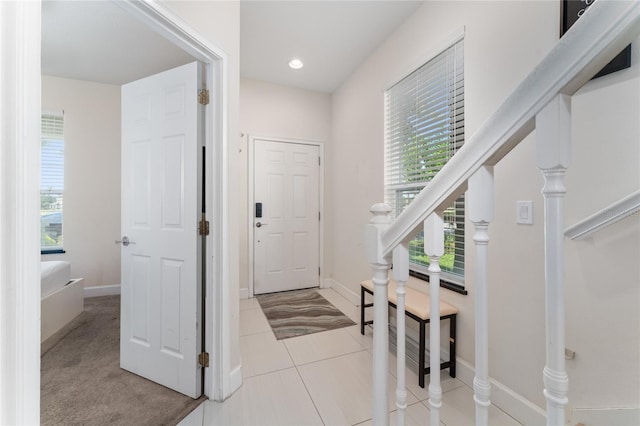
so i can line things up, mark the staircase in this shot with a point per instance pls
(542, 102)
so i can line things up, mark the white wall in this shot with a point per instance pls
(272, 110)
(92, 177)
(503, 41)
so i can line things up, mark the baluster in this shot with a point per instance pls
(481, 207)
(553, 140)
(401, 275)
(380, 268)
(434, 248)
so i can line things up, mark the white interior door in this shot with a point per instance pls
(286, 236)
(161, 276)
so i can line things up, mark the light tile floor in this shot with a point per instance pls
(323, 379)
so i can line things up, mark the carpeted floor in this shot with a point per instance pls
(82, 383)
(299, 312)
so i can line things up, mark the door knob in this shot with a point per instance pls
(124, 241)
(260, 224)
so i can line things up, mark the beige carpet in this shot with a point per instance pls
(82, 383)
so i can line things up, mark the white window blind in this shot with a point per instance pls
(51, 181)
(424, 127)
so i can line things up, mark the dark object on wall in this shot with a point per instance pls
(571, 11)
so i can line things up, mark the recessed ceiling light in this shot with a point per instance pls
(296, 64)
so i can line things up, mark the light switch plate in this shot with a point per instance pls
(524, 212)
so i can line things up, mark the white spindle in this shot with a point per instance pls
(553, 139)
(480, 196)
(434, 248)
(380, 268)
(401, 275)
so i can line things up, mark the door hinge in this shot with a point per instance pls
(203, 96)
(203, 359)
(318, 215)
(319, 271)
(203, 227)
(318, 161)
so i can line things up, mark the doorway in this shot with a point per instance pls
(23, 49)
(285, 226)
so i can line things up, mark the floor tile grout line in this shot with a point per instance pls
(254, 333)
(327, 358)
(269, 372)
(423, 402)
(310, 397)
(305, 385)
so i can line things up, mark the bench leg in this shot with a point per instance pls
(362, 310)
(452, 346)
(421, 369)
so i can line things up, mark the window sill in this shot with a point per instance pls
(457, 288)
(56, 251)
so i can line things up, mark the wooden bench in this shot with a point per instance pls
(417, 307)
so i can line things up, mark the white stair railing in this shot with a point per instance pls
(553, 140)
(434, 248)
(401, 275)
(542, 102)
(379, 263)
(481, 199)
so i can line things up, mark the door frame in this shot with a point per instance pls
(20, 243)
(251, 200)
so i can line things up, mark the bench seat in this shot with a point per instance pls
(417, 307)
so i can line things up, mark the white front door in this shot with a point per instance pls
(286, 222)
(161, 293)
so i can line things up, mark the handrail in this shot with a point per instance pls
(605, 217)
(600, 34)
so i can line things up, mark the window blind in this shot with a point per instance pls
(424, 127)
(52, 153)
(51, 182)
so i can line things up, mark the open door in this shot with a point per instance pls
(161, 314)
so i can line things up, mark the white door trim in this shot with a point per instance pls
(251, 200)
(20, 106)
(20, 28)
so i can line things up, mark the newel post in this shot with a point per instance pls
(480, 195)
(553, 140)
(380, 269)
(434, 248)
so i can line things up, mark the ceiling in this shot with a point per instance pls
(331, 37)
(98, 41)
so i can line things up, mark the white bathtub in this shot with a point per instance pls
(62, 297)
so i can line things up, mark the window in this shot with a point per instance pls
(424, 127)
(51, 182)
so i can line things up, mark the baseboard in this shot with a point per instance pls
(505, 398)
(326, 283)
(244, 293)
(606, 416)
(105, 290)
(502, 396)
(235, 379)
(343, 290)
